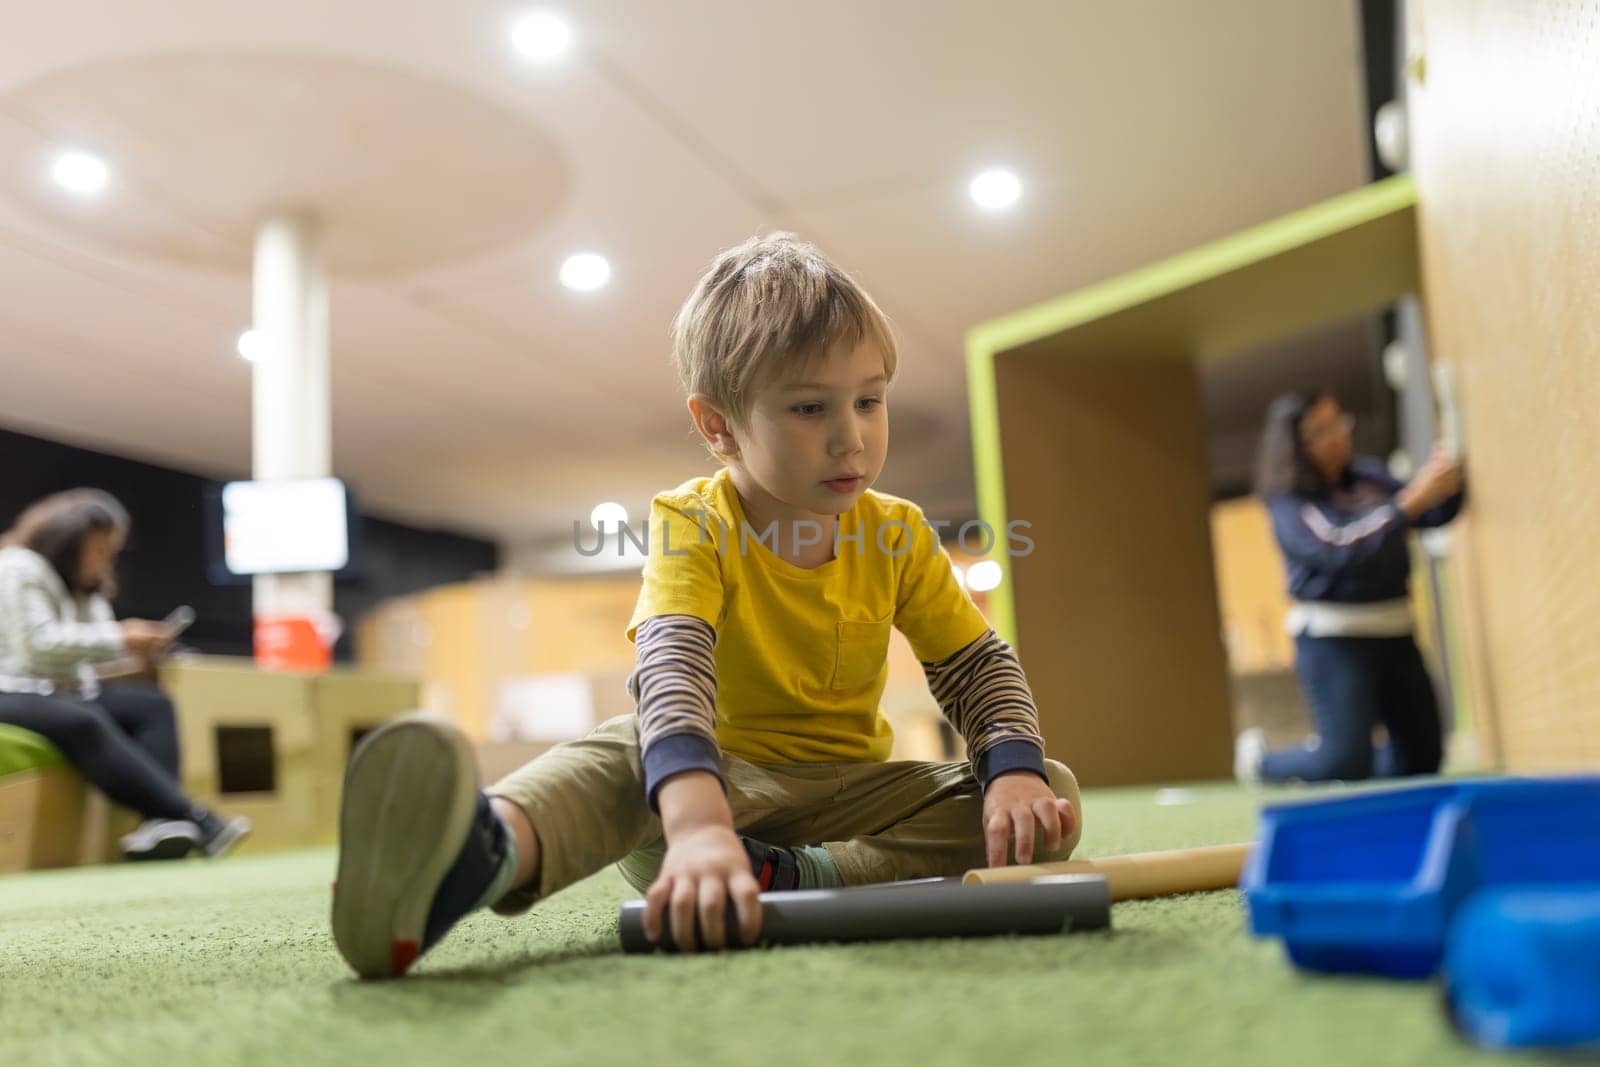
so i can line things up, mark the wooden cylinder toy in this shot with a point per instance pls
(1139, 875)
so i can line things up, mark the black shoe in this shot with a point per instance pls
(419, 846)
(775, 868)
(160, 839)
(218, 835)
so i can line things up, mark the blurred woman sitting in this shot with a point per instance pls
(57, 569)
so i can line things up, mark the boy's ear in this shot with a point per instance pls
(713, 425)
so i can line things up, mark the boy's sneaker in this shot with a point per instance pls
(775, 868)
(419, 847)
(160, 839)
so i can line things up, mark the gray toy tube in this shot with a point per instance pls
(929, 908)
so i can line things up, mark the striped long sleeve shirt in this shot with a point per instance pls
(981, 689)
(740, 650)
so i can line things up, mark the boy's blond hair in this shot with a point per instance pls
(767, 309)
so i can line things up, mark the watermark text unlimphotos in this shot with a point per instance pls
(892, 538)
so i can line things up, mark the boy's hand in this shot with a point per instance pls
(705, 866)
(1014, 804)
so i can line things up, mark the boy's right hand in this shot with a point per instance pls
(706, 865)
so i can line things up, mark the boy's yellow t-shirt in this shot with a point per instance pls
(802, 655)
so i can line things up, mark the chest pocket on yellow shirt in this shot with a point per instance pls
(863, 649)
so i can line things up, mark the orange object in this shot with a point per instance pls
(291, 643)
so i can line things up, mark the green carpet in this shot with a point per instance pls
(232, 963)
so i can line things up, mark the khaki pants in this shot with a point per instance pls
(880, 822)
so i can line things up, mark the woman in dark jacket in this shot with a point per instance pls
(1341, 522)
(56, 575)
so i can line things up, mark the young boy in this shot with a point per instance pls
(756, 757)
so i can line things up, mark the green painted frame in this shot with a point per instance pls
(1355, 252)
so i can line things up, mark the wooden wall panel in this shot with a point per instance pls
(1505, 105)
(1251, 586)
(1116, 607)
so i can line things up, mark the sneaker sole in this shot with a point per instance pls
(168, 848)
(409, 798)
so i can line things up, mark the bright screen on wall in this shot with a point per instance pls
(284, 526)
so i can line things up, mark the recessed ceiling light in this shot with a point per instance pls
(983, 576)
(610, 513)
(80, 172)
(251, 344)
(541, 35)
(585, 271)
(996, 189)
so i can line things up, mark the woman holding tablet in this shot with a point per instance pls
(57, 571)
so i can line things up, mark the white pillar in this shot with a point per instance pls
(291, 426)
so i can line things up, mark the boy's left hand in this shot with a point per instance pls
(1014, 805)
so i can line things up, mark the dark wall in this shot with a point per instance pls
(164, 564)
(1380, 52)
(1344, 359)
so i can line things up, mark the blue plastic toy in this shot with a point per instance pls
(1523, 967)
(1370, 882)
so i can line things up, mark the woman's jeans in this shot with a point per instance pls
(124, 743)
(1352, 685)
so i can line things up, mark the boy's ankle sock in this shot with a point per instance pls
(782, 869)
(500, 885)
(817, 869)
(481, 874)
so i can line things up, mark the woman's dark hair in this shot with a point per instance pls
(1282, 465)
(56, 526)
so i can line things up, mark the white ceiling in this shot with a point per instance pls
(472, 391)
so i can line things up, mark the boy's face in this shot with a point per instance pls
(809, 433)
